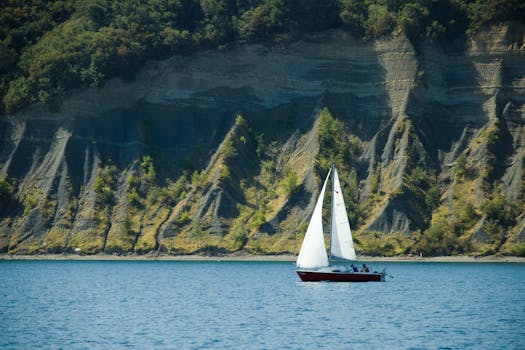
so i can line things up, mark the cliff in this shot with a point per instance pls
(224, 150)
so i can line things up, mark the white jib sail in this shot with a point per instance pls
(342, 245)
(313, 250)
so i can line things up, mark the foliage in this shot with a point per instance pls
(423, 193)
(438, 239)
(380, 21)
(351, 194)
(374, 184)
(48, 207)
(378, 244)
(353, 15)
(198, 178)
(134, 199)
(334, 143)
(104, 185)
(148, 169)
(224, 174)
(7, 190)
(412, 17)
(239, 238)
(500, 210)
(517, 249)
(466, 217)
(174, 191)
(461, 166)
(290, 184)
(31, 199)
(336, 146)
(259, 219)
(228, 149)
(50, 47)
(184, 217)
(196, 229)
(240, 121)
(481, 12)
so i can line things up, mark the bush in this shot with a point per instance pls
(50, 47)
(104, 184)
(466, 217)
(353, 15)
(148, 169)
(517, 249)
(175, 190)
(413, 19)
(461, 166)
(7, 191)
(380, 21)
(334, 143)
(134, 198)
(379, 244)
(239, 238)
(289, 183)
(500, 211)
(198, 178)
(228, 149)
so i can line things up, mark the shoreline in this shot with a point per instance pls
(248, 257)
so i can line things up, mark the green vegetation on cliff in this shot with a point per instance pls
(250, 195)
(6, 193)
(50, 47)
(428, 143)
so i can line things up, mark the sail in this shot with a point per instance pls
(313, 250)
(342, 245)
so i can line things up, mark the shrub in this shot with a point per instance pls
(104, 183)
(148, 169)
(239, 238)
(500, 210)
(517, 249)
(461, 166)
(289, 184)
(175, 190)
(228, 149)
(198, 178)
(380, 21)
(6, 193)
(134, 198)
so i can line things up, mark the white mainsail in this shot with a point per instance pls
(342, 245)
(313, 250)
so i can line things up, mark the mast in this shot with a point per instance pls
(332, 213)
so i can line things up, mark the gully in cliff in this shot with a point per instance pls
(313, 264)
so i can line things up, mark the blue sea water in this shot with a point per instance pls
(257, 305)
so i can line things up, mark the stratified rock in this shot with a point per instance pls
(406, 109)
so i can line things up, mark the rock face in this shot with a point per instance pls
(81, 181)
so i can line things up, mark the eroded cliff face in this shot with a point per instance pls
(81, 181)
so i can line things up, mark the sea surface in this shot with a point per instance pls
(257, 305)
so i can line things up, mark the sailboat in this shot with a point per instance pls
(313, 263)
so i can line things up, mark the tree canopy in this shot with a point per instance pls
(49, 47)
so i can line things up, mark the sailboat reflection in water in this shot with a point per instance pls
(313, 263)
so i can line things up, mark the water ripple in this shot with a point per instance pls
(203, 305)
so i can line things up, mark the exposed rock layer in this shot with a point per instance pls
(405, 108)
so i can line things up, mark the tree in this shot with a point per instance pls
(6, 193)
(413, 19)
(290, 184)
(380, 21)
(148, 169)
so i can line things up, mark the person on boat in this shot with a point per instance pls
(354, 269)
(365, 268)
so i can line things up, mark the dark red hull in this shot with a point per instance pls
(313, 276)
